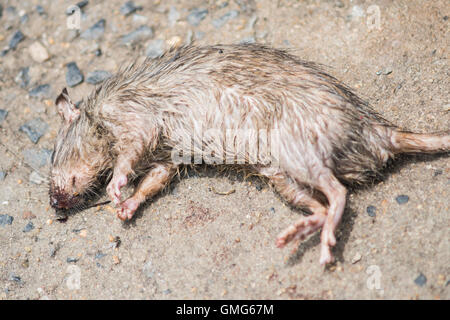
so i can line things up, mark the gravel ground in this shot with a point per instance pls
(190, 242)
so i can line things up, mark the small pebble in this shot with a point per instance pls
(196, 15)
(36, 178)
(40, 10)
(97, 76)
(140, 34)
(23, 77)
(155, 48)
(28, 227)
(28, 215)
(272, 210)
(94, 32)
(38, 52)
(248, 40)
(421, 280)
(356, 258)
(139, 19)
(15, 278)
(384, 72)
(83, 233)
(41, 91)
(2, 175)
(99, 255)
(35, 129)
(219, 22)
(15, 39)
(6, 219)
(436, 172)
(72, 260)
(258, 187)
(173, 16)
(128, 8)
(73, 75)
(402, 199)
(3, 114)
(371, 211)
(167, 291)
(37, 157)
(199, 35)
(23, 17)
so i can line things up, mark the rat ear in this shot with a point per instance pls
(66, 108)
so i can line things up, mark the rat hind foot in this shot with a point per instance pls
(301, 229)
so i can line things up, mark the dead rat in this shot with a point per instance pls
(218, 103)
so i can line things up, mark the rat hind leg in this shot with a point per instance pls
(301, 197)
(336, 195)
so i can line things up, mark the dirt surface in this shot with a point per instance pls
(191, 242)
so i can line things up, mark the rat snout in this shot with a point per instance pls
(62, 200)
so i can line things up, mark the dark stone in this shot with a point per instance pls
(94, 32)
(23, 78)
(421, 280)
(28, 227)
(140, 34)
(219, 22)
(100, 255)
(128, 8)
(24, 18)
(272, 210)
(71, 260)
(73, 75)
(41, 91)
(6, 219)
(97, 76)
(371, 211)
(15, 278)
(15, 39)
(196, 15)
(155, 49)
(40, 10)
(37, 158)
(402, 199)
(2, 175)
(35, 129)
(3, 115)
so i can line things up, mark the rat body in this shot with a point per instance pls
(216, 103)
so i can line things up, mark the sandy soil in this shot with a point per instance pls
(191, 242)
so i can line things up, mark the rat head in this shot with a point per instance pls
(80, 156)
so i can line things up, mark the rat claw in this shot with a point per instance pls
(127, 209)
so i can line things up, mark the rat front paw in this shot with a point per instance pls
(113, 188)
(127, 209)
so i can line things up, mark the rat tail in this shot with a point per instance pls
(409, 142)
